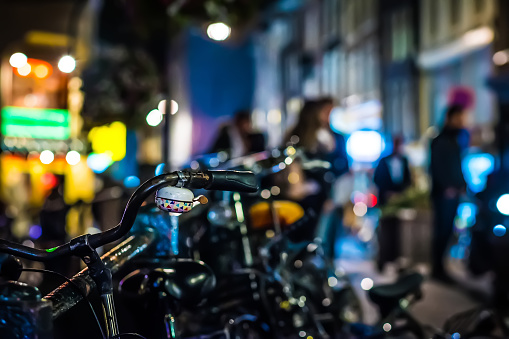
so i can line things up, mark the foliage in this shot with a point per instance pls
(411, 198)
(120, 85)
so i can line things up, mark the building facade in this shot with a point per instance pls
(319, 48)
(399, 74)
(455, 50)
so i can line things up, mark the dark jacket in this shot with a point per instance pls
(383, 179)
(339, 158)
(445, 166)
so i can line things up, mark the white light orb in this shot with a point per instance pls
(67, 64)
(25, 70)
(154, 117)
(73, 158)
(18, 60)
(387, 327)
(501, 58)
(503, 204)
(367, 284)
(47, 157)
(360, 209)
(218, 31)
(174, 107)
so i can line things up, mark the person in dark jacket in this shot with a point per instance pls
(392, 176)
(448, 183)
(237, 138)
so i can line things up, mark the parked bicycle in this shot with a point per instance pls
(25, 314)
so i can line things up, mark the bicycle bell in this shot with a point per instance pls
(177, 199)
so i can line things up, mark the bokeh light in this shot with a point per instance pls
(67, 64)
(41, 71)
(387, 327)
(160, 168)
(499, 230)
(503, 204)
(365, 146)
(99, 162)
(73, 158)
(218, 31)
(154, 117)
(501, 58)
(47, 157)
(265, 194)
(360, 209)
(132, 181)
(18, 60)
(367, 284)
(25, 70)
(35, 232)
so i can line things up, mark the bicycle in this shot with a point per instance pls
(18, 298)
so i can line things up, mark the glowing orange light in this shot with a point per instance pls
(35, 68)
(41, 71)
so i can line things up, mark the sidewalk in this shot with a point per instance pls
(439, 301)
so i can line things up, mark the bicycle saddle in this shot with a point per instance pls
(388, 296)
(185, 280)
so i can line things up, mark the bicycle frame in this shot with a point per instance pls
(65, 296)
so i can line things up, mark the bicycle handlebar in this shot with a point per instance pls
(211, 180)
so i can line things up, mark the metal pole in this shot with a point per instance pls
(166, 86)
(165, 137)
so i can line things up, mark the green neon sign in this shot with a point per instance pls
(37, 123)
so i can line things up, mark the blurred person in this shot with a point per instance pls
(313, 135)
(448, 183)
(392, 177)
(237, 138)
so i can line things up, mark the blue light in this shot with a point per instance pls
(499, 230)
(99, 162)
(35, 232)
(365, 146)
(160, 169)
(456, 336)
(503, 204)
(132, 181)
(467, 212)
(476, 168)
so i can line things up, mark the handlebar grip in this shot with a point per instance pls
(238, 181)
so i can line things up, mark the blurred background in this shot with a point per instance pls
(97, 96)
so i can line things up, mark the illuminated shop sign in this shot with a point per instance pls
(38, 123)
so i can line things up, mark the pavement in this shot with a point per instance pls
(439, 302)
